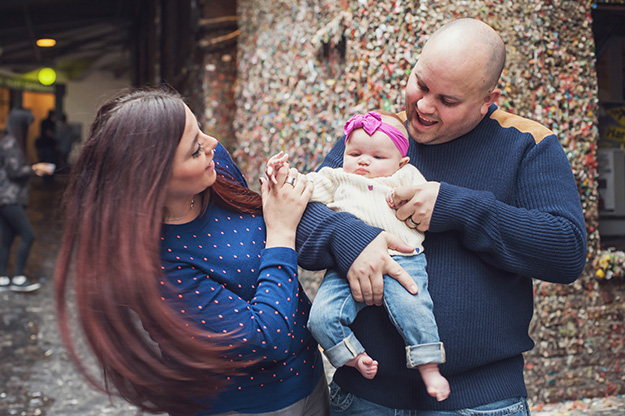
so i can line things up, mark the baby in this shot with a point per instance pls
(374, 163)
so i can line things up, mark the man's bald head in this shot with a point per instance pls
(471, 39)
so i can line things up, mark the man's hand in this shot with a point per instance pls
(415, 204)
(365, 274)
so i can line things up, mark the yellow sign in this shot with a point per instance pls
(19, 83)
(618, 114)
(614, 134)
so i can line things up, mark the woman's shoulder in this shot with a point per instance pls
(227, 166)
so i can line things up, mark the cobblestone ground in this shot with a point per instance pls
(36, 375)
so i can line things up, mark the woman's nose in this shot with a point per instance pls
(211, 144)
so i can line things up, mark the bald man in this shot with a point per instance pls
(501, 207)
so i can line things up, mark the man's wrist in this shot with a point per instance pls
(349, 243)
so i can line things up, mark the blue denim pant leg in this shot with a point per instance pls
(343, 403)
(333, 310)
(14, 221)
(412, 315)
(515, 406)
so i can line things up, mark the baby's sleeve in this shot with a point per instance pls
(325, 182)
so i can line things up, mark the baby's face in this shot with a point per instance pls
(371, 156)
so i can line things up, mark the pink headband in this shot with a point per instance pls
(371, 122)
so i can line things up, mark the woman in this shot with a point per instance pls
(14, 189)
(167, 245)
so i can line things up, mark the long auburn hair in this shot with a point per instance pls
(114, 207)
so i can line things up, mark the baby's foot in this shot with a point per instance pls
(436, 385)
(366, 365)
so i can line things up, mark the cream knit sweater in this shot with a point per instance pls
(366, 199)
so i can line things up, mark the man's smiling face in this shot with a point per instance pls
(445, 96)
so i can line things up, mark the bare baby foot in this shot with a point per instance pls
(366, 365)
(437, 385)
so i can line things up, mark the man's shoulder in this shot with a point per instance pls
(522, 124)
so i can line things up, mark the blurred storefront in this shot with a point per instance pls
(17, 91)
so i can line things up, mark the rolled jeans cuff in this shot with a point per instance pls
(344, 351)
(417, 355)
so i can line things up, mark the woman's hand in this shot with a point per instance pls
(284, 203)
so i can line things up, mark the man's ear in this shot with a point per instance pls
(491, 98)
(403, 161)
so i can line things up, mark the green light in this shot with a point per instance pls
(46, 76)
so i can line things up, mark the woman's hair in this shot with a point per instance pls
(114, 206)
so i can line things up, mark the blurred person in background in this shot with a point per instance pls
(14, 190)
(18, 123)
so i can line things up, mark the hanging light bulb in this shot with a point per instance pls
(46, 76)
(46, 42)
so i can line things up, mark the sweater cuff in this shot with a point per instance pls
(350, 240)
(278, 256)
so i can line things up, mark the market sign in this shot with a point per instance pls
(617, 114)
(17, 83)
(614, 134)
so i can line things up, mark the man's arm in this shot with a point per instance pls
(328, 239)
(542, 235)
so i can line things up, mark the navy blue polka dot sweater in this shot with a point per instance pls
(225, 281)
(508, 210)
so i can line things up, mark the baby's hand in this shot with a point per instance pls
(274, 164)
(390, 199)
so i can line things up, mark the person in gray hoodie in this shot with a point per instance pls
(14, 189)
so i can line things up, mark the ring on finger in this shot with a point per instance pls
(411, 223)
(290, 180)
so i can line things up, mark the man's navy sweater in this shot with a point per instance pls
(508, 210)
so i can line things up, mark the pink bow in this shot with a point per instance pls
(371, 122)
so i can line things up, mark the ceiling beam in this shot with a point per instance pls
(31, 34)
